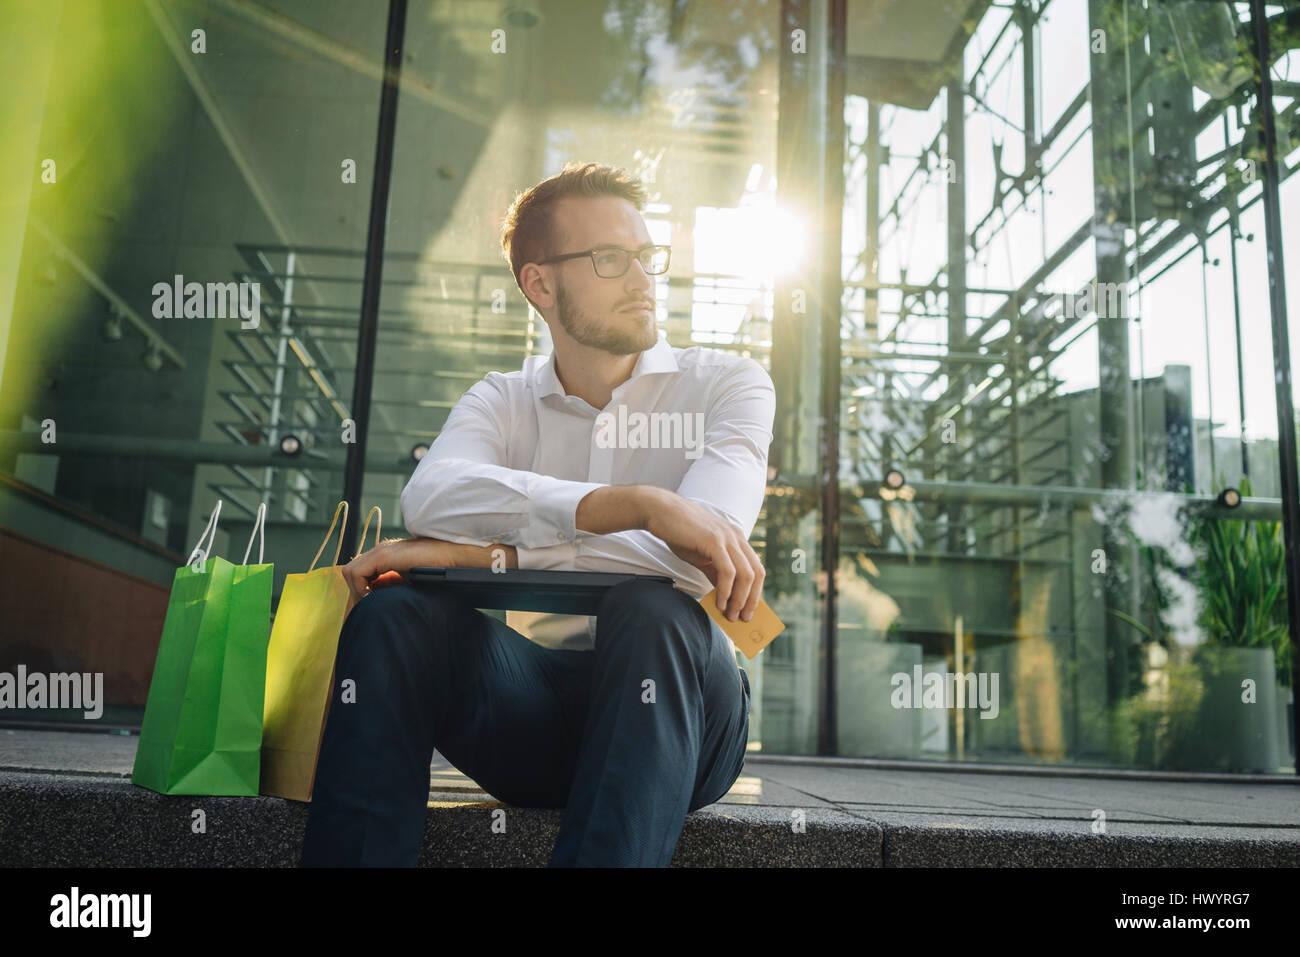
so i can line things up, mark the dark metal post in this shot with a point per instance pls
(1286, 451)
(368, 332)
(832, 348)
(1113, 210)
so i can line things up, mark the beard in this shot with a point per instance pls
(638, 336)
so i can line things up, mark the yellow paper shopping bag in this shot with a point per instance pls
(300, 667)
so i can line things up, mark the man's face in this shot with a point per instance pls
(615, 315)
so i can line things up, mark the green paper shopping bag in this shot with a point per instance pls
(300, 666)
(202, 728)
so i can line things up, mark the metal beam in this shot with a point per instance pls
(368, 327)
(832, 293)
(1286, 447)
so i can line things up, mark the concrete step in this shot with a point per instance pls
(66, 800)
(74, 820)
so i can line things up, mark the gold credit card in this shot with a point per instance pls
(751, 636)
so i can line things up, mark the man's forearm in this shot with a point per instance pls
(611, 508)
(618, 508)
(484, 556)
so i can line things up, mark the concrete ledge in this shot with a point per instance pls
(69, 820)
(66, 800)
(993, 846)
(88, 820)
(459, 834)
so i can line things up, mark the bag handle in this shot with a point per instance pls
(366, 527)
(342, 507)
(200, 552)
(259, 532)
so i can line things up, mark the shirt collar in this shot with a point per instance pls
(658, 358)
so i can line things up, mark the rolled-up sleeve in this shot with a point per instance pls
(730, 476)
(640, 553)
(552, 556)
(462, 491)
(729, 479)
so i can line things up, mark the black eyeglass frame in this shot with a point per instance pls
(631, 254)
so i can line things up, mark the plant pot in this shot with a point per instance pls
(869, 725)
(1230, 734)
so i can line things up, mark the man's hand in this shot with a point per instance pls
(397, 555)
(388, 562)
(713, 545)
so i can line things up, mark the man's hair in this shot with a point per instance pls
(528, 233)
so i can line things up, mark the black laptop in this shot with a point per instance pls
(527, 589)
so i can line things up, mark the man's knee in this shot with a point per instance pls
(635, 605)
(397, 603)
(393, 621)
(392, 596)
(639, 598)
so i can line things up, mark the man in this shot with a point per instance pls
(533, 469)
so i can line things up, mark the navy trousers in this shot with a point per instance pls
(627, 738)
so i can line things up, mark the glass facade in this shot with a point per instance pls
(1017, 270)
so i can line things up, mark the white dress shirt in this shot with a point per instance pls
(517, 454)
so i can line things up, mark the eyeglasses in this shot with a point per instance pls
(610, 262)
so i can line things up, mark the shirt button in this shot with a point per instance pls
(560, 536)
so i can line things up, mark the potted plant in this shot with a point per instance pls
(1195, 711)
(1241, 579)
